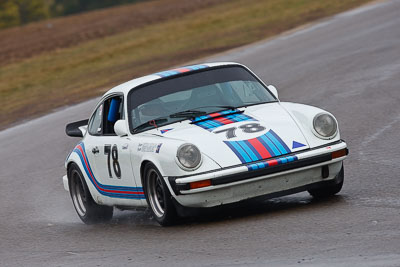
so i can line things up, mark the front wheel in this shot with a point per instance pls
(327, 191)
(158, 196)
(88, 211)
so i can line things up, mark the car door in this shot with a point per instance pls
(111, 153)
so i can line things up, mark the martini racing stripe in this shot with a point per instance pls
(277, 140)
(180, 70)
(273, 162)
(249, 150)
(214, 120)
(240, 154)
(262, 150)
(269, 145)
(263, 147)
(215, 114)
(107, 190)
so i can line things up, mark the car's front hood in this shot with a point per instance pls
(260, 132)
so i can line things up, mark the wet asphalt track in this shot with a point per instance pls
(348, 64)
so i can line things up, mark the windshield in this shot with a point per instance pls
(192, 95)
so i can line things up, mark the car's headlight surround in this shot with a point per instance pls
(188, 157)
(325, 126)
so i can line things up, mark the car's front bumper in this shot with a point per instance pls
(271, 176)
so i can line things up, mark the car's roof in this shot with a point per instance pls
(127, 86)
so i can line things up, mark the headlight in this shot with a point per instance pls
(325, 125)
(189, 156)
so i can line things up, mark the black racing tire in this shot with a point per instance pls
(328, 191)
(158, 196)
(87, 209)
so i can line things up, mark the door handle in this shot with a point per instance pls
(95, 150)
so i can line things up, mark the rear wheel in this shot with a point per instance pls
(327, 191)
(89, 211)
(158, 196)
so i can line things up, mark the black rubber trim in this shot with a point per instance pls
(256, 173)
(325, 172)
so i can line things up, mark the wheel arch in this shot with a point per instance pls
(159, 168)
(69, 166)
(75, 160)
(142, 167)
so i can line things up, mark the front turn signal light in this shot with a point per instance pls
(200, 184)
(339, 153)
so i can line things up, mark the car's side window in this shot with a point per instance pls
(113, 111)
(95, 124)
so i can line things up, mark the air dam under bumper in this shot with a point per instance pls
(296, 172)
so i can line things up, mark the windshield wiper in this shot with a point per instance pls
(195, 112)
(150, 123)
(219, 113)
(187, 113)
(246, 104)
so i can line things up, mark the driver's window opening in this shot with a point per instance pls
(113, 111)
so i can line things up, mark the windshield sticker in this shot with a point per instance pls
(149, 147)
(214, 120)
(263, 147)
(166, 130)
(180, 70)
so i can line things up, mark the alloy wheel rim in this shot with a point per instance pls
(78, 195)
(156, 193)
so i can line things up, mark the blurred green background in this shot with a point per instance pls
(20, 12)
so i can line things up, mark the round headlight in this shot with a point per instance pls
(325, 125)
(189, 156)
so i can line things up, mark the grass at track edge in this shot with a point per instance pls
(37, 85)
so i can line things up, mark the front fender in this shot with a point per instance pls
(163, 156)
(304, 115)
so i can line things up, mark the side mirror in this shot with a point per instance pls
(120, 128)
(77, 129)
(273, 90)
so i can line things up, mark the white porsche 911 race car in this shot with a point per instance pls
(196, 137)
